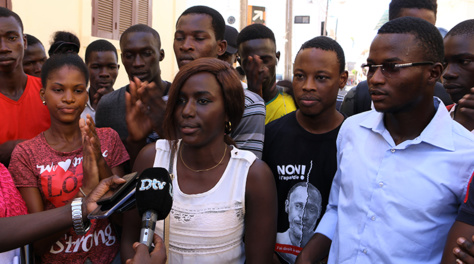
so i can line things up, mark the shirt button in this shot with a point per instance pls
(373, 218)
(392, 150)
(365, 251)
(381, 184)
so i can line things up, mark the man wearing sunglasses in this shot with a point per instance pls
(402, 169)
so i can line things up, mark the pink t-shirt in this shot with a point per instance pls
(58, 176)
(11, 203)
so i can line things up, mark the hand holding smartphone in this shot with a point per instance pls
(123, 195)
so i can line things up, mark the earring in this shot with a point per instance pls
(44, 102)
(228, 127)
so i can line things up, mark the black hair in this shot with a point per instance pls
(61, 38)
(100, 45)
(464, 28)
(255, 31)
(57, 61)
(427, 34)
(396, 6)
(328, 44)
(5, 12)
(142, 28)
(32, 40)
(231, 88)
(218, 22)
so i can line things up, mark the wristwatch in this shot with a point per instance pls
(77, 220)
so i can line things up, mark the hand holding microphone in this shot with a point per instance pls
(142, 256)
(154, 198)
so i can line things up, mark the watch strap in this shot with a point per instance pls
(77, 219)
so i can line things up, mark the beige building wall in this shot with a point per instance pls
(43, 18)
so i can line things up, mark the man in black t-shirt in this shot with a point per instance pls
(300, 147)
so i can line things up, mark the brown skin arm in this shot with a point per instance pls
(6, 150)
(20, 230)
(34, 203)
(459, 248)
(260, 214)
(131, 219)
(315, 250)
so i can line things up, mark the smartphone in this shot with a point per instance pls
(131, 182)
(105, 210)
(127, 205)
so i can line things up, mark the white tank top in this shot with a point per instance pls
(208, 227)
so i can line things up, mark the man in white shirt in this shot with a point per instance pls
(402, 169)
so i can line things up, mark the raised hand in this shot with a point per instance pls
(89, 161)
(255, 71)
(139, 124)
(465, 114)
(464, 252)
(100, 92)
(105, 188)
(92, 156)
(151, 94)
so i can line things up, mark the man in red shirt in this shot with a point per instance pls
(23, 114)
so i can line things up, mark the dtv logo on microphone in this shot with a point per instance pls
(147, 184)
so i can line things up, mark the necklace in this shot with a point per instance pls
(213, 167)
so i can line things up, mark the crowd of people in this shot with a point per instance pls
(262, 172)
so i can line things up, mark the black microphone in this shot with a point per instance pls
(154, 195)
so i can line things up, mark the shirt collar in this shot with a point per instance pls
(89, 100)
(437, 133)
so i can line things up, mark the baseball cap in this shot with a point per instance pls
(230, 36)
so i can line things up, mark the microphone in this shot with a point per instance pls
(154, 195)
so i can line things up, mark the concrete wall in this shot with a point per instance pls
(43, 18)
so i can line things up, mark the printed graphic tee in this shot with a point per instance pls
(303, 165)
(58, 176)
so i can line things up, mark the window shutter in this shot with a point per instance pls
(125, 16)
(6, 4)
(110, 18)
(144, 9)
(105, 18)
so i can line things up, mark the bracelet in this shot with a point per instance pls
(83, 193)
(77, 221)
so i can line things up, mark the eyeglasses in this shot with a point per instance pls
(390, 69)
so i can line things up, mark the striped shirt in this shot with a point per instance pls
(250, 132)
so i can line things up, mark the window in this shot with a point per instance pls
(6, 4)
(110, 18)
